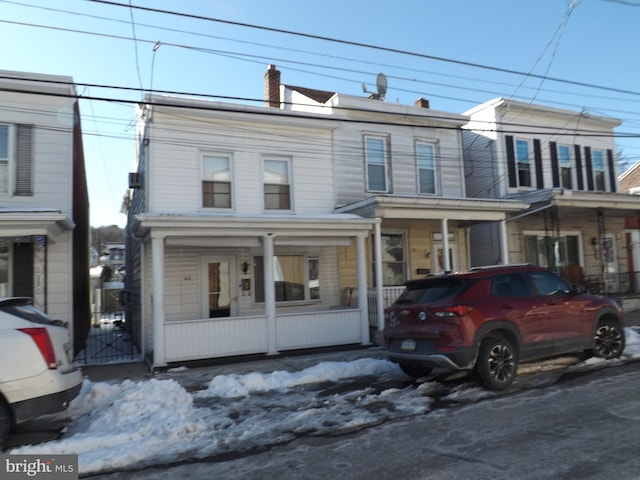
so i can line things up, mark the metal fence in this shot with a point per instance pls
(109, 341)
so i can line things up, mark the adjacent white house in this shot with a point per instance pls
(563, 164)
(44, 213)
(403, 165)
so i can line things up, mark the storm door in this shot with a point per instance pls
(219, 286)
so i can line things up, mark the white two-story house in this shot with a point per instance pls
(44, 208)
(233, 242)
(563, 164)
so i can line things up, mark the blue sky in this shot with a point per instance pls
(593, 42)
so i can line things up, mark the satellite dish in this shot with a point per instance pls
(381, 86)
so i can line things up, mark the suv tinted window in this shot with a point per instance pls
(547, 284)
(432, 291)
(510, 285)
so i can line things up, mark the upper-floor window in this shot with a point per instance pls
(277, 184)
(598, 170)
(5, 149)
(565, 163)
(523, 163)
(426, 160)
(376, 159)
(216, 181)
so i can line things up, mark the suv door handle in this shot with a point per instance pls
(507, 305)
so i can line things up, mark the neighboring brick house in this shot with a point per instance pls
(562, 163)
(44, 207)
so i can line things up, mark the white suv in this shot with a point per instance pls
(37, 375)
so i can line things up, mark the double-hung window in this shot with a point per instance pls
(216, 181)
(277, 184)
(565, 164)
(5, 152)
(598, 170)
(296, 278)
(426, 160)
(524, 163)
(376, 159)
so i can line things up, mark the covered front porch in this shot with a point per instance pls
(427, 235)
(239, 285)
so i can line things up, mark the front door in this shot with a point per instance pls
(610, 264)
(219, 287)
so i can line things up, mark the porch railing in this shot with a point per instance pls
(389, 295)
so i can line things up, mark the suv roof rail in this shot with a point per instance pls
(508, 265)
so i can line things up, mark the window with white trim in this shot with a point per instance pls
(599, 180)
(523, 163)
(216, 181)
(394, 262)
(565, 164)
(296, 278)
(277, 184)
(552, 252)
(426, 161)
(5, 153)
(377, 162)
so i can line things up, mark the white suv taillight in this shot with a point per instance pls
(43, 341)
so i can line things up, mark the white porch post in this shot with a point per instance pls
(446, 262)
(504, 242)
(377, 241)
(269, 294)
(362, 289)
(157, 300)
(635, 252)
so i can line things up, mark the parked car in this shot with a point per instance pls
(489, 319)
(37, 375)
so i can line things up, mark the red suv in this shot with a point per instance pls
(490, 318)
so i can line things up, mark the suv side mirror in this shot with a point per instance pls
(577, 289)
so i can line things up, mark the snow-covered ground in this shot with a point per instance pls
(131, 425)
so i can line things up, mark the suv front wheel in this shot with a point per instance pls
(497, 362)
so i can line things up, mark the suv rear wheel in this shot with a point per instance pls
(608, 340)
(497, 362)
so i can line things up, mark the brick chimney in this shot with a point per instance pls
(421, 103)
(272, 87)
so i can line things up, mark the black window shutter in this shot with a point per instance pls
(555, 171)
(612, 178)
(578, 153)
(23, 269)
(511, 161)
(537, 156)
(24, 160)
(588, 167)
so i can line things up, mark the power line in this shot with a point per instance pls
(366, 45)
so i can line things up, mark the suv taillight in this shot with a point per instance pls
(452, 311)
(43, 341)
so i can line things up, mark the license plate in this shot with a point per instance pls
(408, 344)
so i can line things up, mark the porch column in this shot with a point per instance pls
(157, 300)
(269, 294)
(504, 242)
(635, 255)
(446, 263)
(377, 240)
(362, 289)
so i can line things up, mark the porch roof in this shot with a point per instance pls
(573, 202)
(16, 222)
(434, 208)
(243, 230)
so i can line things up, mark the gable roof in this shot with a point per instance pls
(320, 96)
